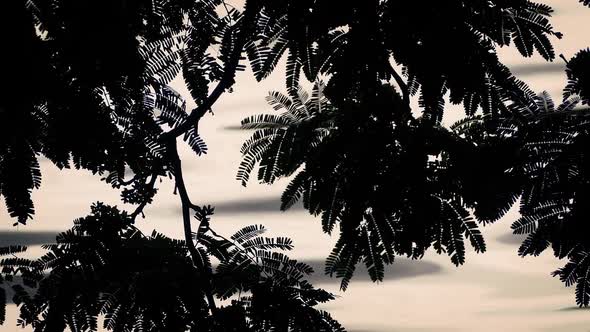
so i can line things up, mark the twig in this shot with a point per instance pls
(575, 112)
(564, 59)
(122, 181)
(169, 138)
(226, 10)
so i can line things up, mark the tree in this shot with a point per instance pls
(396, 184)
(99, 99)
(379, 168)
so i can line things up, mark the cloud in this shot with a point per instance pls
(538, 69)
(511, 239)
(26, 238)
(261, 205)
(236, 207)
(402, 268)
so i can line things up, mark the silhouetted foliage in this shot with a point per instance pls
(105, 266)
(554, 199)
(97, 94)
(97, 97)
(396, 184)
(7, 276)
(281, 142)
(354, 43)
(578, 74)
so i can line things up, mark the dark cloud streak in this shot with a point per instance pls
(538, 69)
(26, 238)
(402, 268)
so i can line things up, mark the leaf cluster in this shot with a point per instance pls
(104, 270)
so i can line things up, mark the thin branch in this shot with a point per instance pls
(226, 81)
(192, 121)
(226, 10)
(186, 218)
(564, 59)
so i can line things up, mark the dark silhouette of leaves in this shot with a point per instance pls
(348, 167)
(370, 33)
(98, 98)
(578, 74)
(105, 266)
(7, 278)
(552, 166)
(97, 95)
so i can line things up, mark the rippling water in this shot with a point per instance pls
(494, 291)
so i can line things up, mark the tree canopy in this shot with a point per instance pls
(393, 180)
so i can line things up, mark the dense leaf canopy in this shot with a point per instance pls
(397, 184)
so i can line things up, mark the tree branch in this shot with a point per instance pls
(197, 113)
(402, 85)
(227, 80)
(575, 112)
(122, 181)
(245, 24)
(186, 218)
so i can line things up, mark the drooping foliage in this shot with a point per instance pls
(281, 142)
(578, 74)
(554, 201)
(355, 44)
(396, 184)
(7, 276)
(551, 169)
